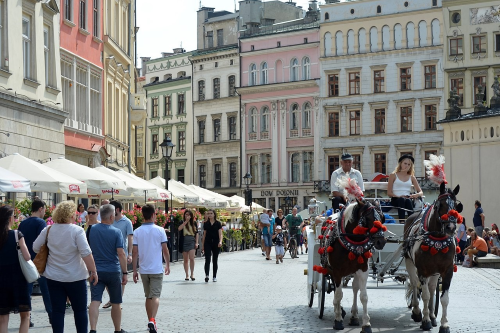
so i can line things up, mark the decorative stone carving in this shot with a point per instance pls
(479, 108)
(316, 101)
(455, 33)
(478, 31)
(495, 99)
(282, 104)
(273, 105)
(454, 111)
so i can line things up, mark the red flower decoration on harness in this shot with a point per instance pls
(368, 254)
(361, 260)
(327, 236)
(434, 250)
(453, 213)
(455, 269)
(377, 224)
(359, 230)
(424, 247)
(384, 228)
(351, 256)
(445, 250)
(458, 250)
(445, 217)
(321, 250)
(320, 237)
(323, 228)
(373, 230)
(329, 249)
(460, 219)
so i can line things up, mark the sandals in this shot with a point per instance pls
(192, 278)
(186, 279)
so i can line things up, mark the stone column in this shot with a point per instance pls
(283, 175)
(275, 144)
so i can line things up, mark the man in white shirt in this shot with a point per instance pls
(149, 243)
(345, 170)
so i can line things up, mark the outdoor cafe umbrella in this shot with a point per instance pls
(41, 177)
(178, 190)
(219, 200)
(153, 192)
(12, 182)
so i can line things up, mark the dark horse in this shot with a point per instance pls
(346, 248)
(429, 249)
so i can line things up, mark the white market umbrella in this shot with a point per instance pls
(178, 190)
(97, 182)
(221, 201)
(41, 177)
(245, 208)
(153, 192)
(12, 182)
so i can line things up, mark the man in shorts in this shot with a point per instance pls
(148, 244)
(106, 243)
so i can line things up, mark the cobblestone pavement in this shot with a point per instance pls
(255, 295)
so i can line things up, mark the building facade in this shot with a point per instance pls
(169, 114)
(381, 85)
(279, 94)
(31, 111)
(82, 81)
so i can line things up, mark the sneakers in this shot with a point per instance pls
(206, 278)
(152, 325)
(214, 279)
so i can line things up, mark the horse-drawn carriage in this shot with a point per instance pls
(356, 244)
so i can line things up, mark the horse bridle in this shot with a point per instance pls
(451, 206)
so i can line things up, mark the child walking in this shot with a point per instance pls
(280, 244)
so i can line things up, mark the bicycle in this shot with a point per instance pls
(293, 246)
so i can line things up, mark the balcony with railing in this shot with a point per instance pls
(252, 136)
(264, 135)
(294, 133)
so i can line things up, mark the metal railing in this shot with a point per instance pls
(324, 185)
(278, 28)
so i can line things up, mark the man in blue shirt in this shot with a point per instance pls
(106, 243)
(478, 218)
(31, 228)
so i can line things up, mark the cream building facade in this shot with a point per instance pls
(381, 85)
(31, 113)
(169, 114)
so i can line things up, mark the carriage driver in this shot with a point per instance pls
(345, 170)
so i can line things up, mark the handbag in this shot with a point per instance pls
(28, 267)
(40, 260)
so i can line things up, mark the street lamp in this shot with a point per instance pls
(248, 192)
(167, 148)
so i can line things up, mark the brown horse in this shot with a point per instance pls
(429, 249)
(347, 247)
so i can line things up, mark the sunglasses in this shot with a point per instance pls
(92, 213)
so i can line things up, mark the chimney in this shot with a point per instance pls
(166, 54)
(143, 64)
(179, 50)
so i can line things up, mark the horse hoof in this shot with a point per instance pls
(426, 326)
(366, 329)
(444, 329)
(416, 317)
(343, 313)
(338, 325)
(434, 322)
(354, 322)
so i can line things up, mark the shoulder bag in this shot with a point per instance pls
(28, 267)
(40, 260)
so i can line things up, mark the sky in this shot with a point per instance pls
(165, 24)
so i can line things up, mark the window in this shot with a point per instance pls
(232, 174)
(201, 67)
(181, 74)
(3, 35)
(201, 131)
(154, 145)
(278, 44)
(231, 62)
(306, 121)
(430, 77)
(217, 175)
(380, 163)
(379, 121)
(216, 64)
(434, 3)
(479, 81)
(406, 119)
(355, 122)
(46, 53)
(68, 10)
(27, 46)
(201, 90)
(95, 18)
(95, 102)
(263, 73)
(430, 117)
(82, 96)
(264, 123)
(456, 46)
(497, 43)
(139, 148)
(378, 83)
(67, 84)
(459, 85)
(252, 47)
(294, 70)
(266, 169)
(294, 117)
(333, 164)
(478, 44)
(405, 79)
(154, 174)
(181, 140)
(203, 175)
(295, 168)
(307, 167)
(354, 86)
(180, 104)
(327, 16)
(210, 39)
(253, 75)
(333, 124)
(306, 69)
(379, 9)
(180, 175)
(83, 15)
(428, 153)
(167, 110)
(220, 37)
(232, 85)
(216, 130)
(253, 169)
(305, 40)
(216, 88)
(154, 107)
(253, 120)
(333, 85)
(356, 162)
(232, 128)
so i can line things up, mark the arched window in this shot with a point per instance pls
(386, 38)
(167, 77)
(181, 74)
(264, 120)
(253, 75)
(373, 39)
(307, 166)
(422, 33)
(252, 125)
(306, 68)
(350, 42)
(327, 16)
(201, 90)
(362, 40)
(295, 167)
(294, 118)
(306, 119)
(263, 73)
(266, 169)
(398, 36)
(254, 166)
(328, 44)
(294, 70)
(410, 35)
(379, 9)
(436, 32)
(339, 43)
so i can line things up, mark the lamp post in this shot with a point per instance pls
(248, 197)
(167, 148)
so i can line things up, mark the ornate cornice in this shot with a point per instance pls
(277, 87)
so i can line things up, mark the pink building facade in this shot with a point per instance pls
(279, 91)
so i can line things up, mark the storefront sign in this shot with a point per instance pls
(281, 193)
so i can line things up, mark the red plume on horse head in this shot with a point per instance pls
(351, 188)
(435, 169)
